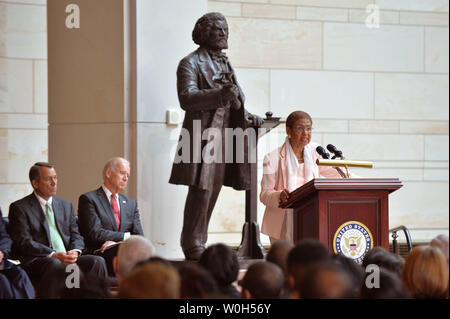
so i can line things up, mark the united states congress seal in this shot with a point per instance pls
(353, 240)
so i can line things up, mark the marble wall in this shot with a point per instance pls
(23, 95)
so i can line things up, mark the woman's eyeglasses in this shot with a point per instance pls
(300, 128)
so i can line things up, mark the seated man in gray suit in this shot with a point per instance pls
(107, 217)
(44, 229)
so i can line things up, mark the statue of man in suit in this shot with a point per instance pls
(209, 93)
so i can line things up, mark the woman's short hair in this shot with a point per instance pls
(295, 116)
(203, 26)
(425, 273)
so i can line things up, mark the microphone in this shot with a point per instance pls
(334, 150)
(322, 152)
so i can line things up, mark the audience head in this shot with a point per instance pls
(388, 286)
(325, 281)
(221, 261)
(91, 287)
(53, 282)
(150, 281)
(383, 258)
(278, 254)
(354, 271)
(132, 251)
(43, 179)
(263, 280)
(115, 174)
(425, 273)
(441, 242)
(196, 282)
(305, 254)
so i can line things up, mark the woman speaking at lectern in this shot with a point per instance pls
(286, 169)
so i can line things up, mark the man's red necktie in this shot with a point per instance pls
(115, 208)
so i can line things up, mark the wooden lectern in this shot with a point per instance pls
(322, 206)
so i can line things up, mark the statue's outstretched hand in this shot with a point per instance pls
(254, 120)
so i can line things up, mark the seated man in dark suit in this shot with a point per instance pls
(107, 217)
(14, 281)
(44, 229)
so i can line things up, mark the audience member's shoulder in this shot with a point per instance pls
(61, 201)
(23, 200)
(92, 194)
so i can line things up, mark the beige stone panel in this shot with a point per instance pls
(384, 147)
(227, 9)
(422, 235)
(400, 164)
(35, 2)
(358, 126)
(89, 89)
(388, 48)
(250, 1)
(413, 5)
(436, 148)
(229, 212)
(268, 11)
(40, 87)
(420, 205)
(330, 126)
(161, 204)
(16, 86)
(25, 147)
(436, 164)
(326, 3)
(256, 86)
(404, 174)
(95, 144)
(232, 239)
(411, 96)
(386, 17)
(425, 18)
(4, 160)
(323, 94)
(424, 127)
(322, 14)
(9, 193)
(436, 175)
(23, 31)
(436, 50)
(275, 43)
(23, 121)
(3, 169)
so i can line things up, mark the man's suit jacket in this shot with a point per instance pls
(96, 219)
(29, 230)
(201, 99)
(5, 240)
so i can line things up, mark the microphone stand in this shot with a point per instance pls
(343, 175)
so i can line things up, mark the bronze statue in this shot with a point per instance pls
(213, 100)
